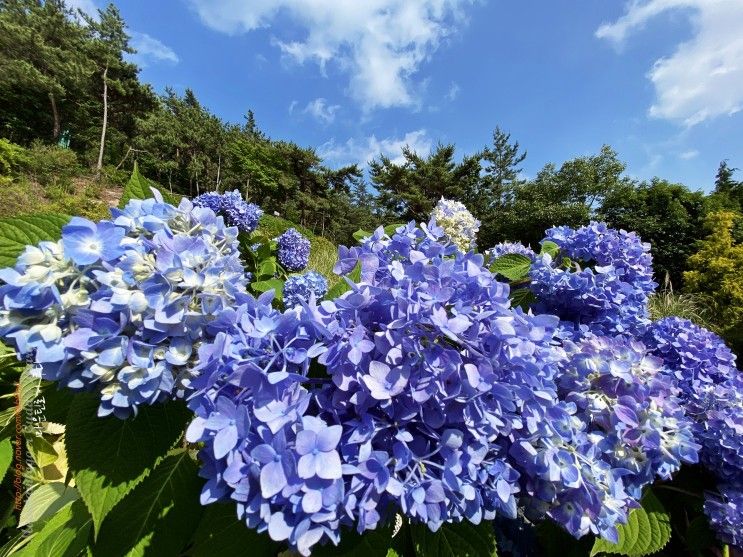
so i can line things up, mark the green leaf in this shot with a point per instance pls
(158, 517)
(372, 543)
(513, 266)
(277, 285)
(18, 232)
(522, 297)
(139, 187)
(266, 268)
(108, 457)
(455, 540)
(390, 229)
(221, 533)
(699, 536)
(6, 457)
(45, 501)
(549, 247)
(361, 234)
(647, 531)
(64, 535)
(41, 450)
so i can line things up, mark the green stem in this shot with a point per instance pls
(726, 551)
(679, 490)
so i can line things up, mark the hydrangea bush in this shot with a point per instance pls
(435, 397)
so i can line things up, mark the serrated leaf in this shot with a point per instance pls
(549, 247)
(45, 501)
(139, 187)
(522, 297)
(6, 457)
(158, 516)
(513, 266)
(221, 533)
(361, 234)
(41, 450)
(455, 540)
(108, 457)
(266, 268)
(64, 535)
(647, 531)
(18, 232)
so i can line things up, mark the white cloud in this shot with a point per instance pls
(86, 6)
(363, 151)
(688, 155)
(149, 48)
(453, 92)
(380, 43)
(703, 78)
(321, 110)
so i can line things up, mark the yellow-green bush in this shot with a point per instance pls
(716, 269)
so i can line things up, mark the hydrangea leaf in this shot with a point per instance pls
(372, 543)
(550, 248)
(361, 234)
(6, 456)
(647, 531)
(18, 232)
(522, 297)
(277, 285)
(390, 229)
(41, 450)
(455, 540)
(513, 266)
(108, 457)
(139, 187)
(158, 516)
(220, 533)
(64, 535)
(45, 501)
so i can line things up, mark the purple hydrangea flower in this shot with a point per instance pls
(725, 513)
(293, 250)
(235, 210)
(300, 288)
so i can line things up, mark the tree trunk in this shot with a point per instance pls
(55, 113)
(99, 166)
(219, 168)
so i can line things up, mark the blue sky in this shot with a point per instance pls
(659, 80)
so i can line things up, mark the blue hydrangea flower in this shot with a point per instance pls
(235, 210)
(605, 289)
(697, 358)
(293, 250)
(457, 223)
(120, 307)
(300, 288)
(725, 513)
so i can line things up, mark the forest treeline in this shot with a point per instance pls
(64, 73)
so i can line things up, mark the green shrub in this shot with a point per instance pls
(12, 157)
(50, 165)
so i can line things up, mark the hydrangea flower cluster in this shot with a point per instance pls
(725, 514)
(704, 369)
(618, 428)
(607, 287)
(293, 250)
(235, 210)
(506, 248)
(120, 307)
(698, 359)
(422, 391)
(457, 222)
(300, 288)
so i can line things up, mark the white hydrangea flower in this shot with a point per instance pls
(457, 222)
